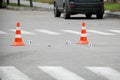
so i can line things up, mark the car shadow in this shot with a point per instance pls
(81, 18)
(77, 18)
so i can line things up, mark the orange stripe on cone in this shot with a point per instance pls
(83, 38)
(18, 39)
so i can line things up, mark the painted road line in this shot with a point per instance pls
(71, 31)
(60, 73)
(48, 32)
(115, 31)
(107, 72)
(11, 73)
(24, 32)
(99, 32)
(2, 32)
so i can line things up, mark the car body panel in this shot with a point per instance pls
(81, 6)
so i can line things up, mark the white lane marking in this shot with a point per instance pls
(11, 73)
(48, 32)
(99, 32)
(71, 31)
(2, 32)
(24, 32)
(60, 73)
(116, 31)
(107, 72)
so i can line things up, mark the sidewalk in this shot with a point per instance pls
(113, 14)
(46, 6)
(35, 4)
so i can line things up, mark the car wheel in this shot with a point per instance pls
(99, 16)
(56, 11)
(88, 15)
(66, 14)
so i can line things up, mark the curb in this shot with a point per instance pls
(36, 6)
(29, 8)
(113, 14)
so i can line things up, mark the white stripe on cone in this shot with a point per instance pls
(24, 32)
(17, 28)
(83, 28)
(18, 36)
(83, 35)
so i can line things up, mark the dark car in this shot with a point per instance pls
(87, 7)
(1, 3)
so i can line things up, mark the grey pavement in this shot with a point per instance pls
(53, 53)
(113, 14)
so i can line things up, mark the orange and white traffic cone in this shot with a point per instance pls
(83, 38)
(18, 39)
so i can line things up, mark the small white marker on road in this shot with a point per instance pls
(90, 45)
(49, 45)
(68, 43)
(29, 42)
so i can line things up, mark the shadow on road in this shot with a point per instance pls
(78, 18)
(84, 18)
(81, 18)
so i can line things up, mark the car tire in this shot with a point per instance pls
(56, 11)
(88, 16)
(66, 14)
(99, 16)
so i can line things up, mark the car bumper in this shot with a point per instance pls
(87, 8)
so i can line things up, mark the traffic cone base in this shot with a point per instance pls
(83, 40)
(18, 44)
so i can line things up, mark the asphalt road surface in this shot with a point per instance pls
(51, 52)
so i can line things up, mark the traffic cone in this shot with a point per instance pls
(18, 39)
(83, 38)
